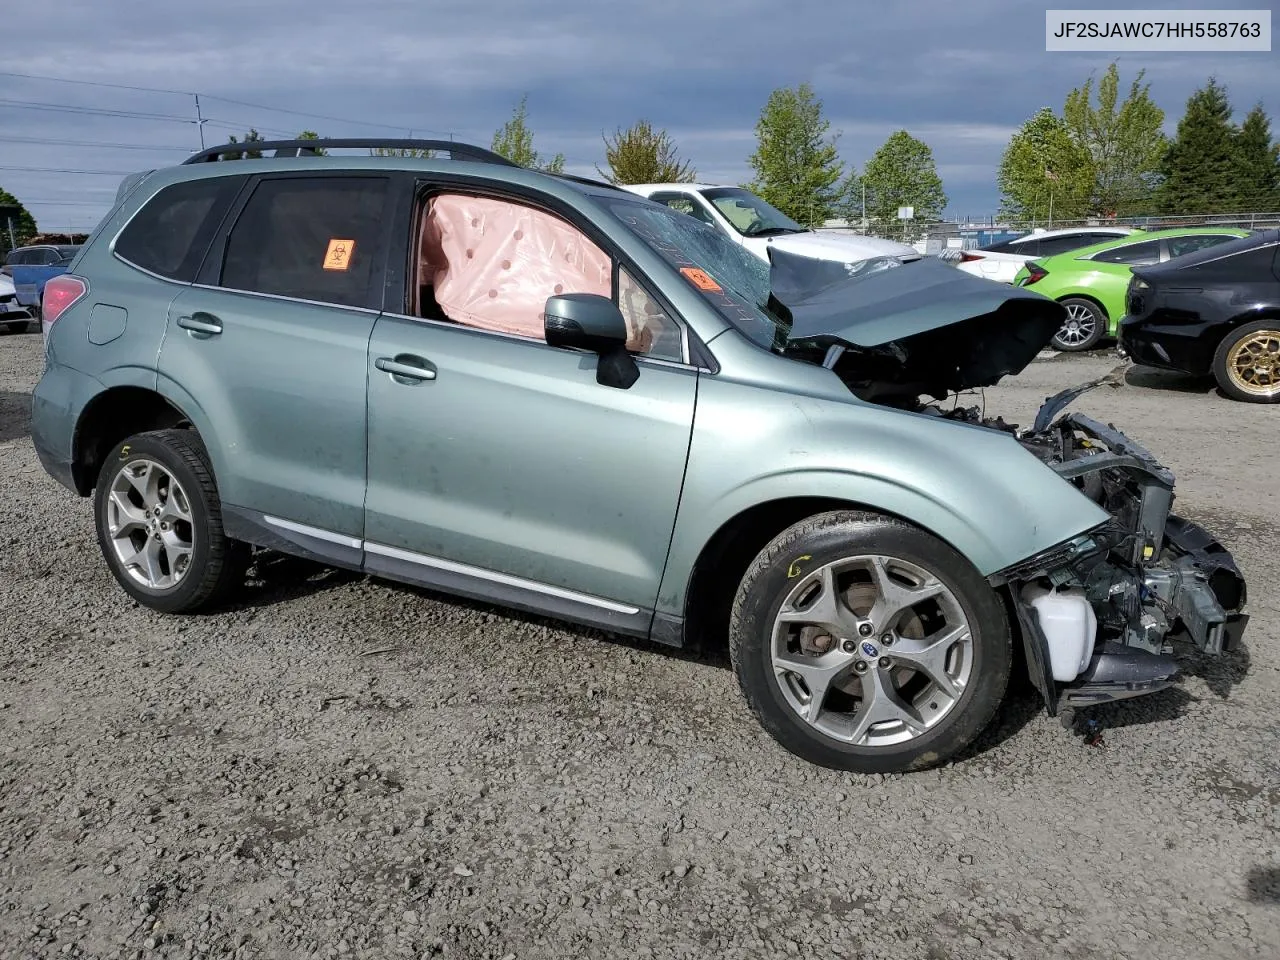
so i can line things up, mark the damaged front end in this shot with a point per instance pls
(1116, 597)
(1098, 613)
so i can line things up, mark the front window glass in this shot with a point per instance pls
(750, 215)
(734, 281)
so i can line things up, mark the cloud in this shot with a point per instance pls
(960, 77)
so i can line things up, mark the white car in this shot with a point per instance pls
(747, 219)
(13, 316)
(1002, 261)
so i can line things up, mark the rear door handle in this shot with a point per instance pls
(201, 323)
(406, 366)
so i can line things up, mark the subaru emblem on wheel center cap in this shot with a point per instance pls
(870, 649)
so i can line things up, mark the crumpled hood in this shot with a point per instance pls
(840, 246)
(946, 329)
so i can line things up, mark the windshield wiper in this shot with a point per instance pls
(773, 231)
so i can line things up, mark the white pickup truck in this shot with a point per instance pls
(757, 225)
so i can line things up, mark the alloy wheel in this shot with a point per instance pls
(149, 524)
(1253, 364)
(872, 650)
(1080, 326)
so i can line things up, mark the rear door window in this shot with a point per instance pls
(1180, 245)
(311, 238)
(170, 235)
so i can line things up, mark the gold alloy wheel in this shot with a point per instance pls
(1253, 364)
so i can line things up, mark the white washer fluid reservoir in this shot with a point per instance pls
(1069, 624)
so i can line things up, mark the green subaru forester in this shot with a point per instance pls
(557, 396)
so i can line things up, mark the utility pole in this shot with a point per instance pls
(199, 120)
(13, 242)
(864, 206)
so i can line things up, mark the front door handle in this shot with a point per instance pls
(201, 323)
(406, 366)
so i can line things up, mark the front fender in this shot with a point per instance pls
(975, 488)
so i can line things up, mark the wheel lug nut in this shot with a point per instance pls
(866, 629)
(849, 646)
(885, 663)
(860, 666)
(887, 640)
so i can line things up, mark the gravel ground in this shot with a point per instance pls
(346, 768)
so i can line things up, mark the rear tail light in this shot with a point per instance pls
(1036, 273)
(60, 293)
(970, 257)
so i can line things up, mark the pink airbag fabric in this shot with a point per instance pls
(496, 262)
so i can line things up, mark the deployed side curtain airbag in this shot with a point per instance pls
(496, 262)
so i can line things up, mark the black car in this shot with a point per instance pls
(1215, 311)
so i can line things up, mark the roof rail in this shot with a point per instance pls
(588, 181)
(308, 148)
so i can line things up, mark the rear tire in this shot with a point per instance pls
(1084, 328)
(921, 655)
(1247, 362)
(159, 523)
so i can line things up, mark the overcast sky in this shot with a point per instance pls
(960, 75)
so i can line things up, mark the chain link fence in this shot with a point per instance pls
(946, 239)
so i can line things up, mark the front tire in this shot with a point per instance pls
(864, 643)
(1247, 362)
(1084, 327)
(159, 523)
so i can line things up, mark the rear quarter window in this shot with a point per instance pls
(170, 235)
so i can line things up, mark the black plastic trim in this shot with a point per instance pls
(300, 148)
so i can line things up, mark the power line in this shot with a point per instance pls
(63, 203)
(210, 96)
(100, 111)
(92, 143)
(104, 173)
(95, 83)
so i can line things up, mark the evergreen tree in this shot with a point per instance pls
(1200, 165)
(1257, 165)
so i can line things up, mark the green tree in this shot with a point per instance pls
(1044, 167)
(312, 135)
(251, 137)
(1123, 138)
(1200, 165)
(1257, 164)
(797, 167)
(514, 140)
(641, 154)
(900, 174)
(24, 225)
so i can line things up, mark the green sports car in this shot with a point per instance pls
(1091, 281)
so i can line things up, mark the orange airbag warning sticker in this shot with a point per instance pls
(700, 279)
(338, 256)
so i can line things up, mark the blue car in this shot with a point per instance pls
(31, 267)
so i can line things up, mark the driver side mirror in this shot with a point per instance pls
(588, 321)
